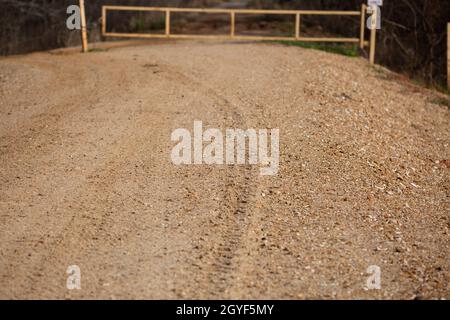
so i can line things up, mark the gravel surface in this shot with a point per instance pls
(86, 177)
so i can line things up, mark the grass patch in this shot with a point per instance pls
(441, 89)
(442, 101)
(434, 86)
(97, 50)
(342, 49)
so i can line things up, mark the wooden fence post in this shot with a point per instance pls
(168, 23)
(84, 42)
(373, 34)
(297, 26)
(363, 26)
(103, 20)
(232, 24)
(448, 56)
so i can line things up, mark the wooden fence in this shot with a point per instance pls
(233, 36)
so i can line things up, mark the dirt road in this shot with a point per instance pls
(86, 176)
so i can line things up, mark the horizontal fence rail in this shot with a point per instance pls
(232, 34)
(244, 11)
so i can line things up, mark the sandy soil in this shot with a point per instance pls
(86, 177)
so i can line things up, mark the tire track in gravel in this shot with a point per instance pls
(241, 192)
(240, 258)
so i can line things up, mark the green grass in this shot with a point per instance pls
(434, 86)
(97, 50)
(442, 101)
(343, 49)
(441, 88)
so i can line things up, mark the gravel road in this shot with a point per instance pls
(86, 176)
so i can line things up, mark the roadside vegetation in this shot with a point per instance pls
(342, 49)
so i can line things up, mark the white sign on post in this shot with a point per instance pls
(375, 2)
(374, 21)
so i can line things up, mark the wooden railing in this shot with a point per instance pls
(232, 35)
